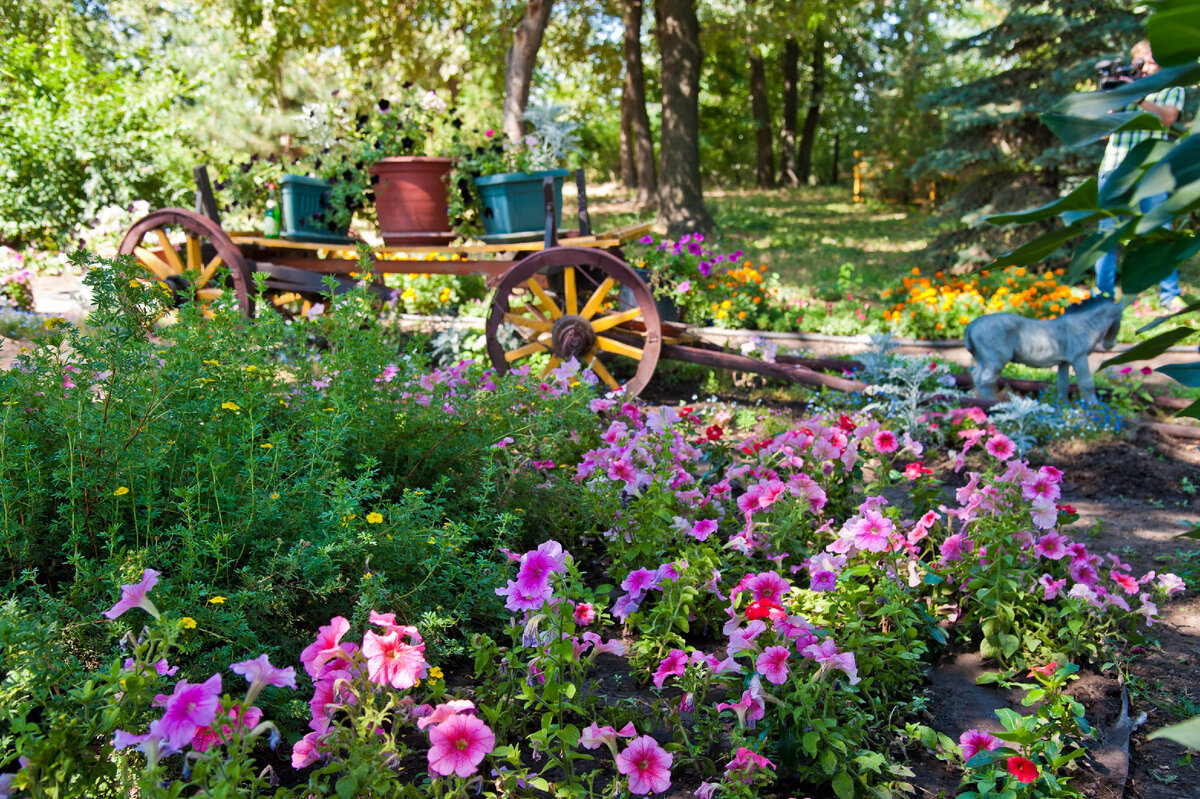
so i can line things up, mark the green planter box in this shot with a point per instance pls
(301, 199)
(512, 204)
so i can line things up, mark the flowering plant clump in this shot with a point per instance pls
(941, 306)
(708, 286)
(425, 293)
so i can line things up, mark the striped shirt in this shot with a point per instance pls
(1119, 144)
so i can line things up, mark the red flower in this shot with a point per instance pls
(686, 412)
(914, 470)
(1046, 670)
(845, 423)
(761, 608)
(1068, 509)
(714, 433)
(1023, 769)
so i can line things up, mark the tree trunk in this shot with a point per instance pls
(635, 90)
(804, 159)
(628, 171)
(764, 159)
(680, 196)
(837, 146)
(788, 176)
(519, 64)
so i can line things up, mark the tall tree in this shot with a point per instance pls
(634, 93)
(680, 195)
(519, 64)
(788, 176)
(996, 147)
(815, 96)
(628, 170)
(764, 156)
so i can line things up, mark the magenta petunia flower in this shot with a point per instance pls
(885, 442)
(745, 762)
(392, 661)
(458, 745)
(702, 529)
(444, 711)
(647, 764)
(326, 647)
(768, 585)
(204, 737)
(872, 532)
(135, 596)
(1052, 546)
(584, 614)
(772, 664)
(190, 706)
(972, 742)
(594, 736)
(673, 665)
(307, 750)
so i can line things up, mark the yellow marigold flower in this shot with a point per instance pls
(721, 314)
(189, 623)
(741, 314)
(726, 304)
(374, 518)
(962, 320)
(121, 491)
(916, 271)
(217, 600)
(939, 326)
(230, 406)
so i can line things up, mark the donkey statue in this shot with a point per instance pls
(996, 339)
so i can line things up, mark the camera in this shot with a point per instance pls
(1114, 73)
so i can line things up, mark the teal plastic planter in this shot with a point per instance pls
(301, 199)
(512, 203)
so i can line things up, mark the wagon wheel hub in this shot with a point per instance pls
(572, 337)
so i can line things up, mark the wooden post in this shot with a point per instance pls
(585, 221)
(205, 202)
(551, 213)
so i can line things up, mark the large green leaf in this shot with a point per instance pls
(1150, 347)
(1186, 373)
(1096, 104)
(1118, 188)
(1177, 168)
(1089, 251)
(1083, 198)
(1149, 262)
(1192, 410)
(1195, 306)
(1174, 31)
(1034, 251)
(1185, 732)
(1077, 131)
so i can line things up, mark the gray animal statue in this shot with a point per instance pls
(995, 339)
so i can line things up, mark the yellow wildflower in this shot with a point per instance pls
(217, 600)
(230, 406)
(121, 491)
(189, 623)
(435, 673)
(374, 518)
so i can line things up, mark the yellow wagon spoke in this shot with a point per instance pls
(284, 299)
(606, 322)
(169, 251)
(569, 286)
(209, 271)
(618, 348)
(603, 373)
(208, 294)
(528, 349)
(593, 303)
(551, 366)
(544, 298)
(152, 262)
(194, 261)
(540, 325)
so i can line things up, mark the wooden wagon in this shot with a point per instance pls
(575, 298)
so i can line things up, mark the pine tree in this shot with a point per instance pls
(997, 152)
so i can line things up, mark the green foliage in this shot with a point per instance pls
(294, 483)
(77, 135)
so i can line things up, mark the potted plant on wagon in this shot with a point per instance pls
(499, 183)
(379, 157)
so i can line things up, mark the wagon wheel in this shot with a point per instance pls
(204, 251)
(577, 321)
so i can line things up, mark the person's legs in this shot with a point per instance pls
(1168, 289)
(1106, 267)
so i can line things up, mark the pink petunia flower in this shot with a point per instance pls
(188, 707)
(647, 764)
(392, 661)
(307, 750)
(1052, 545)
(1000, 447)
(767, 585)
(745, 762)
(443, 711)
(584, 614)
(458, 745)
(260, 673)
(772, 664)
(594, 736)
(1128, 584)
(1051, 588)
(972, 742)
(135, 596)
(673, 665)
(885, 442)
(326, 647)
(702, 529)
(205, 737)
(872, 532)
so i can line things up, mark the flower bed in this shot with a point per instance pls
(774, 600)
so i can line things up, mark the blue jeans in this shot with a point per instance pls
(1106, 267)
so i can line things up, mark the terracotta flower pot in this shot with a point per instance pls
(410, 199)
